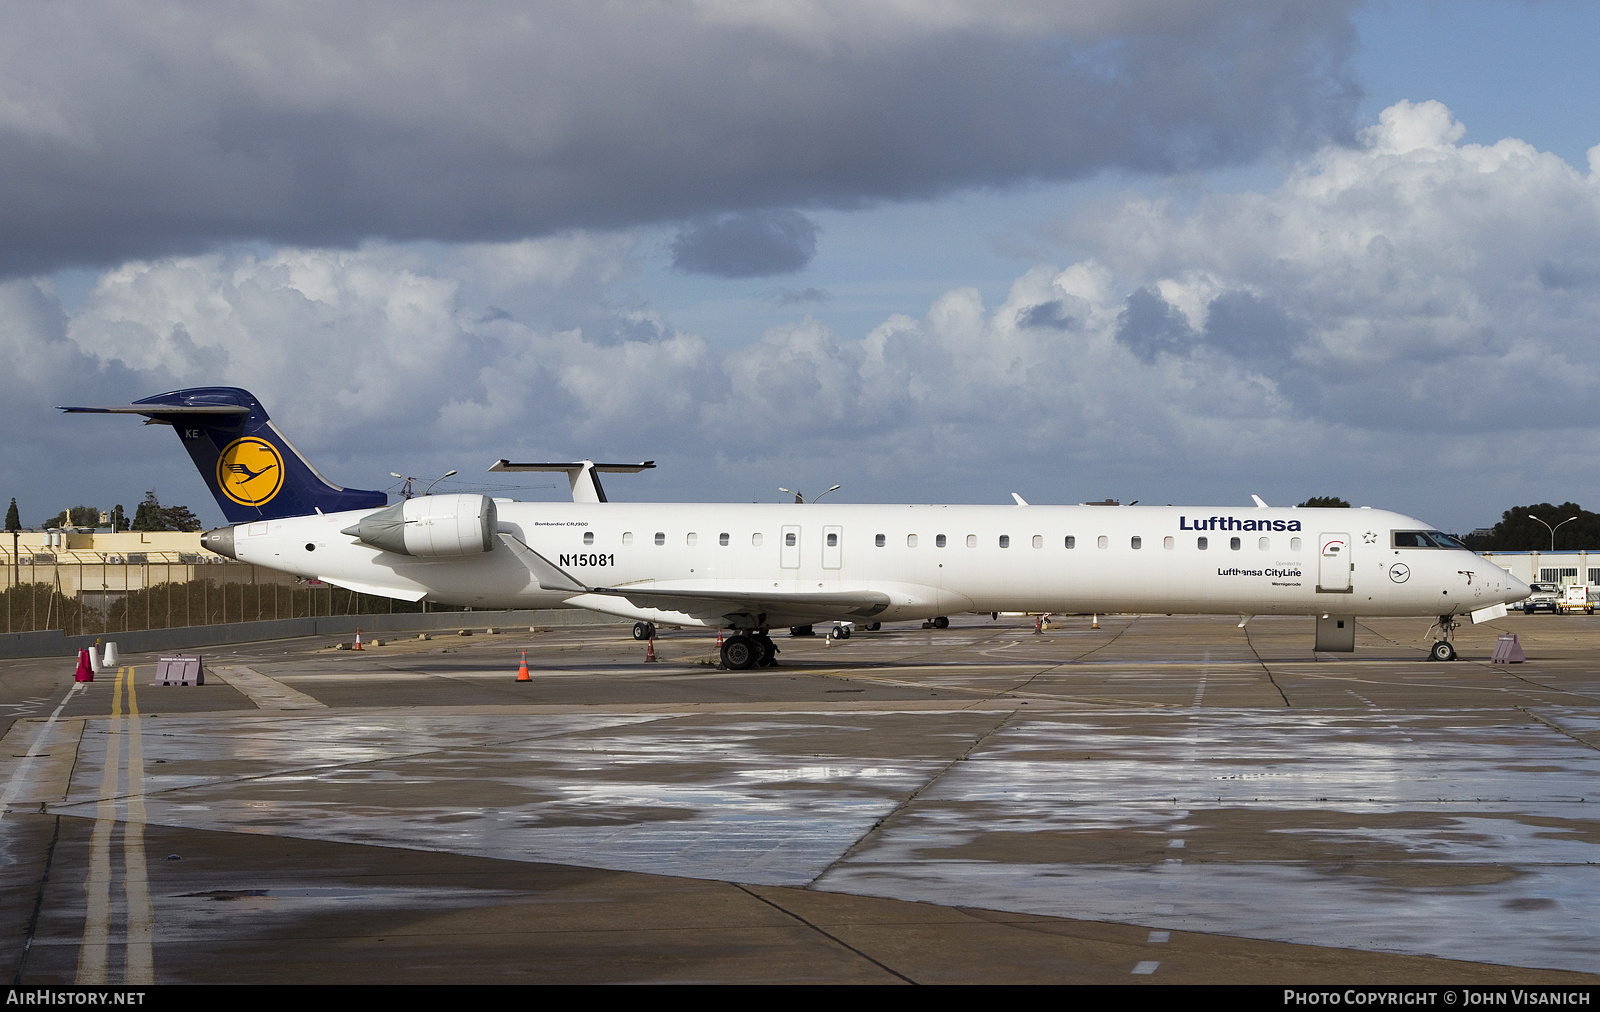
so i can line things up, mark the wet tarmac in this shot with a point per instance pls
(1158, 799)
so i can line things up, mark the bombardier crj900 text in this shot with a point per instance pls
(750, 568)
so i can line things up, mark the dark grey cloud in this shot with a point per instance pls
(748, 244)
(1148, 325)
(1251, 329)
(132, 130)
(1049, 315)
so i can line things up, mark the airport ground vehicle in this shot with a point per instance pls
(749, 568)
(1542, 597)
(1575, 598)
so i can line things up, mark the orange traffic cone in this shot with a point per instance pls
(650, 651)
(522, 672)
(358, 638)
(1095, 623)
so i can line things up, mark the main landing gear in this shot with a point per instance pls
(644, 630)
(752, 649)
(1442, 650)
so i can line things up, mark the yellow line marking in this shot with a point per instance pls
(139, 962)
(93, 951)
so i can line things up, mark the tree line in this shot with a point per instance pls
(149, 516)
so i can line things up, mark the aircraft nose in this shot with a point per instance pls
(1516, 590)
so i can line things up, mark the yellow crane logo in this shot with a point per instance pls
(250, 471)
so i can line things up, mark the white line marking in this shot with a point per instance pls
(1147, 966)
(19, 776)
(1159, 936)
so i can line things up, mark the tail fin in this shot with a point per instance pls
(254, 472)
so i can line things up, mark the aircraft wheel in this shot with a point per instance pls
(1442, 651)
(874, 626)
(942, 622)
(801, 630)
(767, 651)
(740, 653)
(643, 630)
(839, 633)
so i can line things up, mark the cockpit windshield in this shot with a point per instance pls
(1426, 539)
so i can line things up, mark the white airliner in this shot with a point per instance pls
(752, 568)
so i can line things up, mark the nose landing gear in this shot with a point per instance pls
(1442, 649)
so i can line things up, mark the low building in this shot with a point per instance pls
(1550, 567)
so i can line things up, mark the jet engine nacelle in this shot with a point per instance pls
(430, 526)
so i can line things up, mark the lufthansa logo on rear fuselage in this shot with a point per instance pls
(250, 471)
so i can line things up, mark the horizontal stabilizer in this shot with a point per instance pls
(582, 475)
(154, 410)
(507, 465)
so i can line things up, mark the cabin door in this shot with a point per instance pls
(1333, 564)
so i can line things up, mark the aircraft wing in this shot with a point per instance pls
(780, 606)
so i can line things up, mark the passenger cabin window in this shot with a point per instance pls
(788, 540)
(938, 541)
(1233, 543)
(1168, 542)
(911, 541)
(1103, 541)
(690, 538)
(1136, 543)
(1072, 542)
(880, 541)
(661, 538)
(833, 541)
(1202, 543)
(1294, 544)
(1038, 541)
(722, 539)
(1266, 544)
(972, 541)
(588, 537)
(627, 537)
(755, 540)
(1005, 541)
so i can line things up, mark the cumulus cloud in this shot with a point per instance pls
(1402, 313)
(749, 244)
(136, 131)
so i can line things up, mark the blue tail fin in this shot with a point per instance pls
(254, 472)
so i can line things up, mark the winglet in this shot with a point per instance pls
(1020, 501)
(1262, 503)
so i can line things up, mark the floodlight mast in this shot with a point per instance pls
(799, 497)
(1553, 530)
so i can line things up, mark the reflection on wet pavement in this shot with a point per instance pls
(1467, 834)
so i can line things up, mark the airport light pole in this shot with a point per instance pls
(800, 497)
(442, 477)
(1552, 530)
